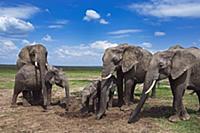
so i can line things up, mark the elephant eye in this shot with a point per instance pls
(161, 65)
(115, 60)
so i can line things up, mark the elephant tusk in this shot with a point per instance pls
(36, 64)
(151, 87)
(107, 77)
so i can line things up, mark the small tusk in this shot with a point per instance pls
(107, 77)
(151, 87)
(36, 64)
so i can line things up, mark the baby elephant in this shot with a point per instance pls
(91, 95)
(27, 81)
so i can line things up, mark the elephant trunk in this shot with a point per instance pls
(43, 70)
(103, 99)
(150, 81)
(67, 99)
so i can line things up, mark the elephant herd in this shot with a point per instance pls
(124, 66)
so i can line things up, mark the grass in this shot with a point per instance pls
(78, 76)
(190, 102)
(158, 109)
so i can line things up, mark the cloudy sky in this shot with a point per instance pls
(76, 32)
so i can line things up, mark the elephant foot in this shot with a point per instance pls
(100, 115)
(174, 118)
(45, 107)
(84, 110)
(185, 116)
(120, 103)
(26, 104)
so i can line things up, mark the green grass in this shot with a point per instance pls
(158, 109)
(78, 76)
(190, 102)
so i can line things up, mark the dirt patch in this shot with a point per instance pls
(33, 119)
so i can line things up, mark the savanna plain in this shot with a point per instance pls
(154, 117)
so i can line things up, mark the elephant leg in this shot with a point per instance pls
(132, 93)
(37, 97)
(49, 96)
(198, 94)
(120, 87)
(127, 93)
(16, 92)
(26, 98)
(178, 89)
(110, 103)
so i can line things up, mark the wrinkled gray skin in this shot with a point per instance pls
(174, 64)
(28, 80)
(130, 63)
(91, 95)
(37, 56)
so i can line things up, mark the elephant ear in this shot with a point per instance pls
(131, 57)
(181, 62)
(50, 77)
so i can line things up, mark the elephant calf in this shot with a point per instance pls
(91, 94)
(27, 80)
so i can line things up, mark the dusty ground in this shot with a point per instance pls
(33, 119)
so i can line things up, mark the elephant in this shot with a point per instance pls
(91, 94)
(130, 63)
(37, 56)
(28, 80)
(176, 65)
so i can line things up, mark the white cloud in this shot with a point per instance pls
(103, 21)
(47, 38)
(62, 22)
(8, 45)
(102, 44)
(168, 8)
(27, 42)
(13, 20)
(108, 14)
(91, 15)
(76, 51)
(124, 31)
(8, 51)
(20, 12)
(146, 45)
(159, 33)
(94, 49)
(55, 26)
(121, 36)
(47, 10)
(95, 16)
(58, 24)
(11, 25)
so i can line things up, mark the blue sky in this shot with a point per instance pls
(77, 32)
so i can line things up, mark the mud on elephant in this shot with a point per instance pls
(27, 81)
(177, 65)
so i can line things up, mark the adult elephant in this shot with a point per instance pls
(173, 64)
(130, 63)
(37, 56)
